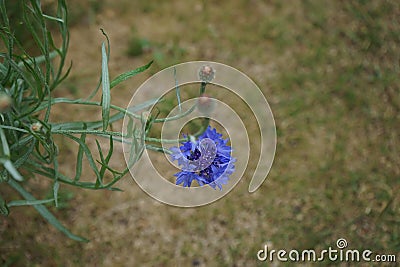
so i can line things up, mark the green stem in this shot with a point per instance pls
(203, 88)
(94, 132)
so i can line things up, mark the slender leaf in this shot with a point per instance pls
(39, 59)
(108, 43)
(124, 76)
(56, 186)
(52, 18)
(89, 157)
(110, 151)
(78, 170)
(105, 161)
(11, 169)
(4, 143)
(16, 203)
(177, 89)
(13, 128)
(129, 129)
(97, 124)
(102, 170)
(106, 97)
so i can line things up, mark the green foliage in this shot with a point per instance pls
(26, 133)
(26, 102)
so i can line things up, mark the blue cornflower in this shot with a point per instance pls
(206, 160)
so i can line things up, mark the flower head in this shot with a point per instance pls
(206, 73)
(206, 160)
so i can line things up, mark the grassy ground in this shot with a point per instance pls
(330, 71)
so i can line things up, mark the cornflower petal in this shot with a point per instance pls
(207, 163)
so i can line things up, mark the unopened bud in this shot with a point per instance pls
(205, 104)
(206, 73)
(5, 102)
(36, 127)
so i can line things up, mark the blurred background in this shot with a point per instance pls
(330, 72)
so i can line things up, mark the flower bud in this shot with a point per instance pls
(206, 73)
(5, 102)
(205, 104)
(36, 127)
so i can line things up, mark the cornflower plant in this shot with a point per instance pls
(28, 147)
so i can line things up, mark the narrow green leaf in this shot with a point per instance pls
(45, 212)
(129, 129)
(105, 161)
(108, 42)
(133, 148)
(52, 18)
(16, 203)
(6, 149)
(113, 171)
(56, 186)
(142, 143)
(78, 170)
(158, 149)
(110, 151)
(11, 169)
(115, 117)
(4, 13)
(124, 76)
(102, 169)
(106, 97)
(89, 157)
(13, 128)
(178, 91)
(38, 60)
